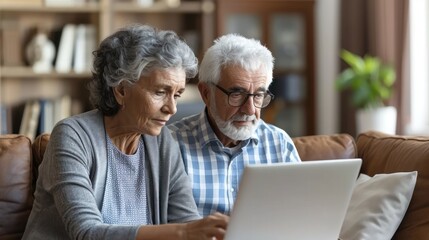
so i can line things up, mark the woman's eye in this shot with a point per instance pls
(160, 93)
(176, 96)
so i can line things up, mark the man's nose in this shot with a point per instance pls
(249, 106)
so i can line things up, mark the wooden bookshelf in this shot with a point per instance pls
(20, 20)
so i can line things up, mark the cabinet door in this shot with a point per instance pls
(286, 28)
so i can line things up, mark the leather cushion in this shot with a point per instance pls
(323, 147)
(15, 185)
(384, 153)
(39, 147)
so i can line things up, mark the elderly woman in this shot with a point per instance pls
(115, 172)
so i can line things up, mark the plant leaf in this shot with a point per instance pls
(345, 79)
(387, 74)
(369, 80)
(354, 61)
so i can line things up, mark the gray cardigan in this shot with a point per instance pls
(70, 187)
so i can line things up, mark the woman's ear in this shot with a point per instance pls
(119, 92)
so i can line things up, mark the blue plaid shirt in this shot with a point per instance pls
(215, 170)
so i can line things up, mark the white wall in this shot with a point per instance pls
(327, 26)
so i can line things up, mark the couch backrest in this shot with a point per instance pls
(384, 153)
(322, 147)
(16, 195)
(316, 147)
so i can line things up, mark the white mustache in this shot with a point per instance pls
(244, 118)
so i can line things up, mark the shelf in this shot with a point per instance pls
(159, 7)
(27, 72)
(19, 8)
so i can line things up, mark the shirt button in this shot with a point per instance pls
(232, 189)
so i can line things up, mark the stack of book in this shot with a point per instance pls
(75, 48)
(36, 116)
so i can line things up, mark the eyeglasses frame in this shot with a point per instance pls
(228, 93)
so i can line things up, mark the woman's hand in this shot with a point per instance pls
(210, 227)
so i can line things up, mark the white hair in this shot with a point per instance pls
(233, 49)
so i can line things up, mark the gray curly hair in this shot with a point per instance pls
(131, 52)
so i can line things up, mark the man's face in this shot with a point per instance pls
(235, 123)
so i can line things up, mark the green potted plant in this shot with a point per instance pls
(370, 83)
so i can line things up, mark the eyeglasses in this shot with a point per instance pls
(239, 98)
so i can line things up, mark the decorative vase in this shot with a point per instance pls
(40, 53)
(382, 119)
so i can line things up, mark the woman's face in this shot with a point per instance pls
(149, 104)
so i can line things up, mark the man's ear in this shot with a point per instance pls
(204, 92)
(119, 92)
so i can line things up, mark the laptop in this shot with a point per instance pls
(306, 201)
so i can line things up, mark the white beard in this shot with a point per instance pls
(231, 131)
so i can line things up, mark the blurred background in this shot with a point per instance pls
(45, 55)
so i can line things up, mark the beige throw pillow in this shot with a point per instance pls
(378, 205)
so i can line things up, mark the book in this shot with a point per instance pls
(30, 119)
(33, 120)
(46, 120)
(145, 3)
(25, 118)
(85, 43)
(5, 119)
(79, 47)
(48, 123)
(61, 108)
(59, 3)
(63, 63)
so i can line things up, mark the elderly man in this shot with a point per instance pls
(219, 142)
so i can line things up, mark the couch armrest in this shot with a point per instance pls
(38, 147)
(322, 147)
(383, 153)
(16, 197)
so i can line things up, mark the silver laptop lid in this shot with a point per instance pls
(305, 200)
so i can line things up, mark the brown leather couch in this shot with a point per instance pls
(19, 159)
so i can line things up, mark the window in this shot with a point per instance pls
(419, 70)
